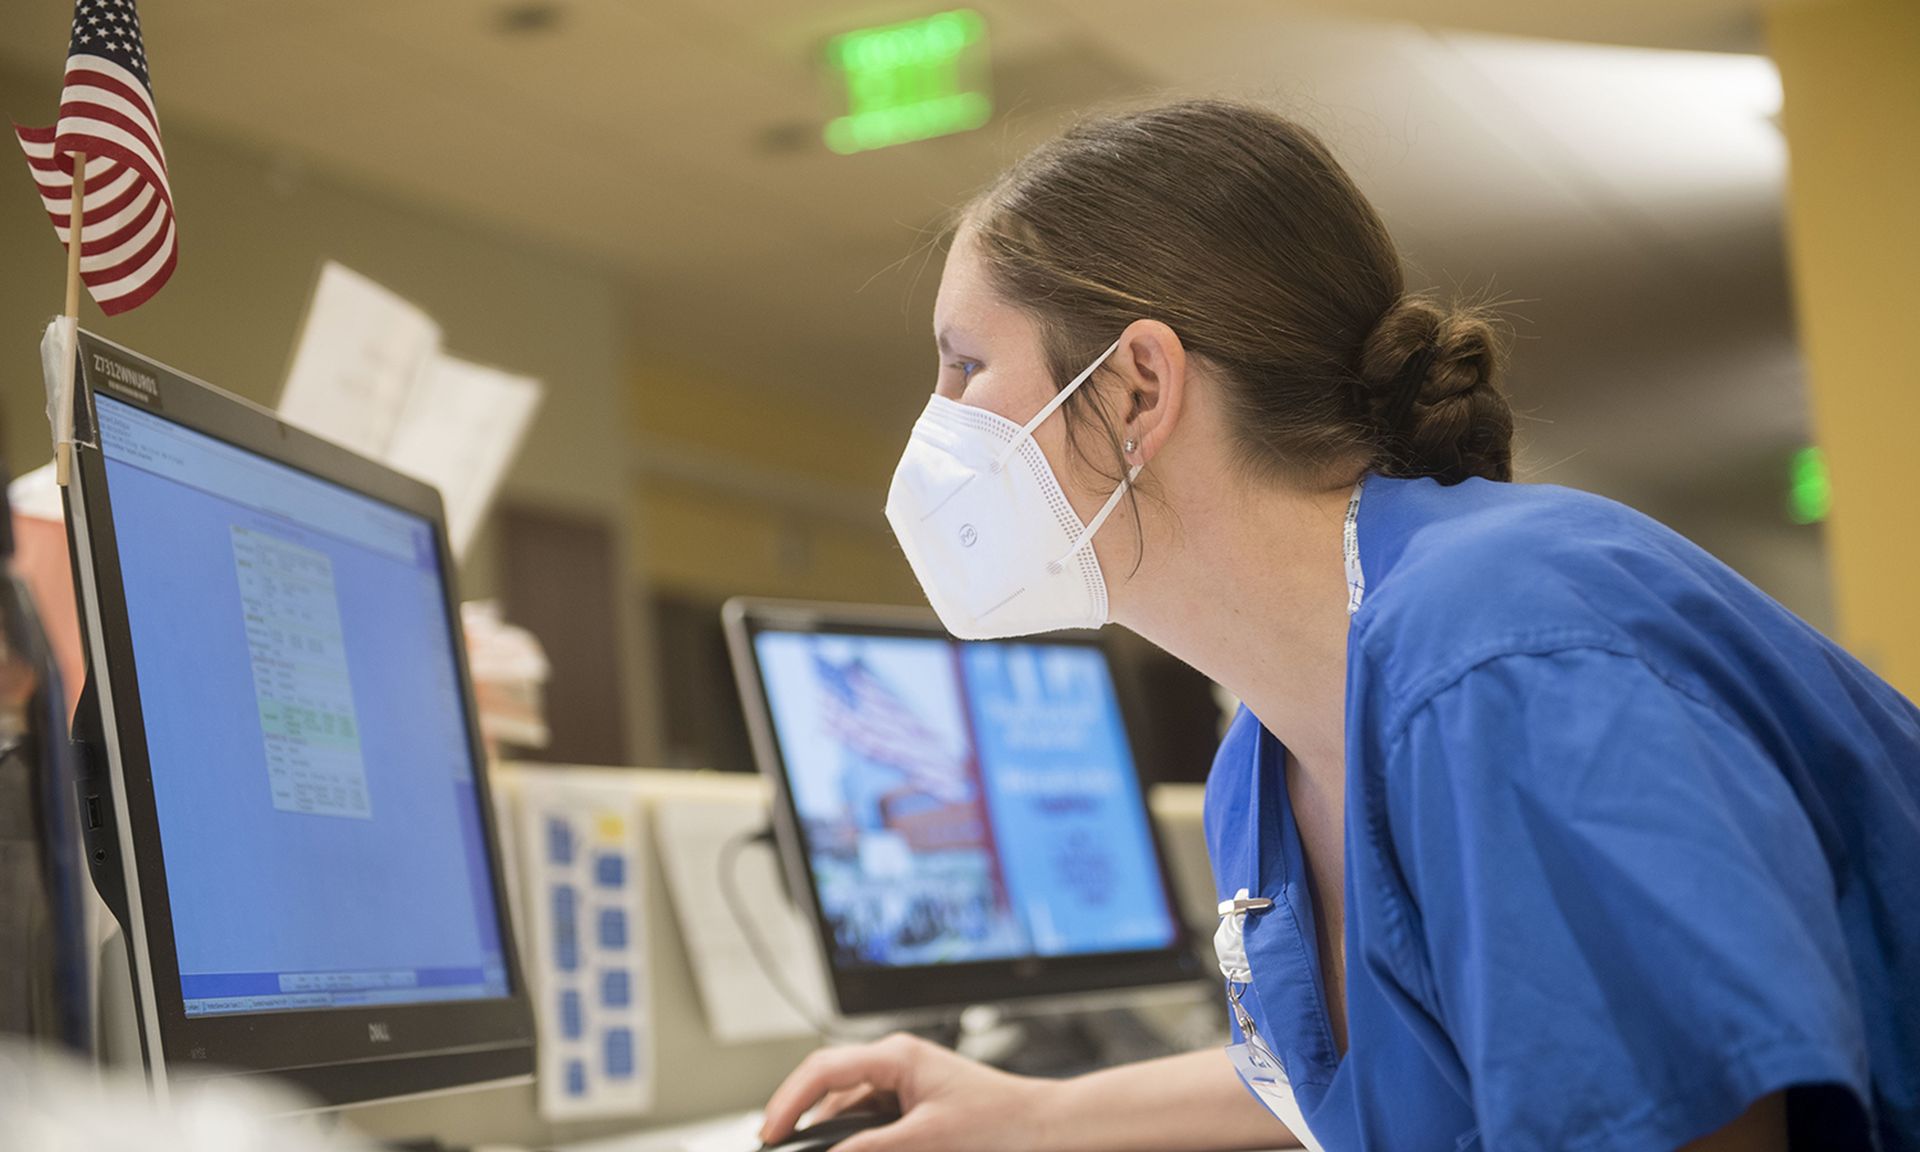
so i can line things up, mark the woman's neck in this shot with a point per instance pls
(1249, 587)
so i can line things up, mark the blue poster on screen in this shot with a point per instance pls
(1064, 799)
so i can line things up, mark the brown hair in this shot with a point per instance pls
(1239, 230)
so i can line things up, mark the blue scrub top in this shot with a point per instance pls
(1628, 846)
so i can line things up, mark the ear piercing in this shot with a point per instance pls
(1130, 447)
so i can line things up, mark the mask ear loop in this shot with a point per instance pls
(1050, 408)
(1099, 518)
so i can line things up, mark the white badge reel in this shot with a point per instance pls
(1255, 1062)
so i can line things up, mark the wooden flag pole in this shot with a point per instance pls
(73, 244)
(63, 412)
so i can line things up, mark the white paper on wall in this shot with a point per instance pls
(368, 373)
(359, 354)
(458, 430)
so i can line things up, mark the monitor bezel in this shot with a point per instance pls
(874, 990)
(341, 1055)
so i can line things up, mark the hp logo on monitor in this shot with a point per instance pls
(377, 1033)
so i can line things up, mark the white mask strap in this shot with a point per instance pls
(1099, 518)
(1051, 407)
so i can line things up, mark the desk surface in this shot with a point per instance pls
(737, 1132)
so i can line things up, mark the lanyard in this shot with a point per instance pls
(1350, 550)
(1263, 1069)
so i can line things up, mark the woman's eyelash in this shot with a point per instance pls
(966, 367)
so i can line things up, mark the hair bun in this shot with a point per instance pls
(1427, 376)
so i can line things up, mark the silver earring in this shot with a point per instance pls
(1130, 447)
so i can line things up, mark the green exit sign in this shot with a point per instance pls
(910, 81)
(1809, 492)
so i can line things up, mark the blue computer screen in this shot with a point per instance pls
(306, 731)
(964, 802)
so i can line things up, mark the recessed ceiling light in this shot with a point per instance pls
(529, 16)
(788, 137)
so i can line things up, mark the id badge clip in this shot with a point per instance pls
(1251, 1058)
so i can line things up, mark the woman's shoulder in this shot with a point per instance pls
(1494, 534)
(1486, 570)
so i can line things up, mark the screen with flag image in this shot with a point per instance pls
(963, 802)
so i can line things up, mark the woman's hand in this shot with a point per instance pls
(947, 1103)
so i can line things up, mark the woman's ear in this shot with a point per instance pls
(1152, 366)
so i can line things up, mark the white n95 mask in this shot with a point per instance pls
(991, 536)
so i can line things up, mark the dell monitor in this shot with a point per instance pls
(285, 801)
(964, 822)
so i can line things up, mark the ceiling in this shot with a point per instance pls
(1626, 200)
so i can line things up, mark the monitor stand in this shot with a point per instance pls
(987, 1035)
(1058, 1040)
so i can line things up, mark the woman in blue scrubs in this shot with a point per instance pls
(1539, 829)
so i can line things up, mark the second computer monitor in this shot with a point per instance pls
(966, 820)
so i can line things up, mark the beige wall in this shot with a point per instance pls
(1851, 72)
(760, 494)
(714, 489)
(254, 231)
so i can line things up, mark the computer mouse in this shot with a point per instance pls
(824, 1135)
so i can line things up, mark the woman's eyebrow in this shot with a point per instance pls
(949, 338)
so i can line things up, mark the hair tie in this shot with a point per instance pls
(1406, 385)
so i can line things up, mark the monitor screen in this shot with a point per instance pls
(963, 803)
(306, 731)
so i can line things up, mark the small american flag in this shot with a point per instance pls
(872, 720)
(128, 242)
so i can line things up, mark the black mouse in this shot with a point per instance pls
(824, 1135)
